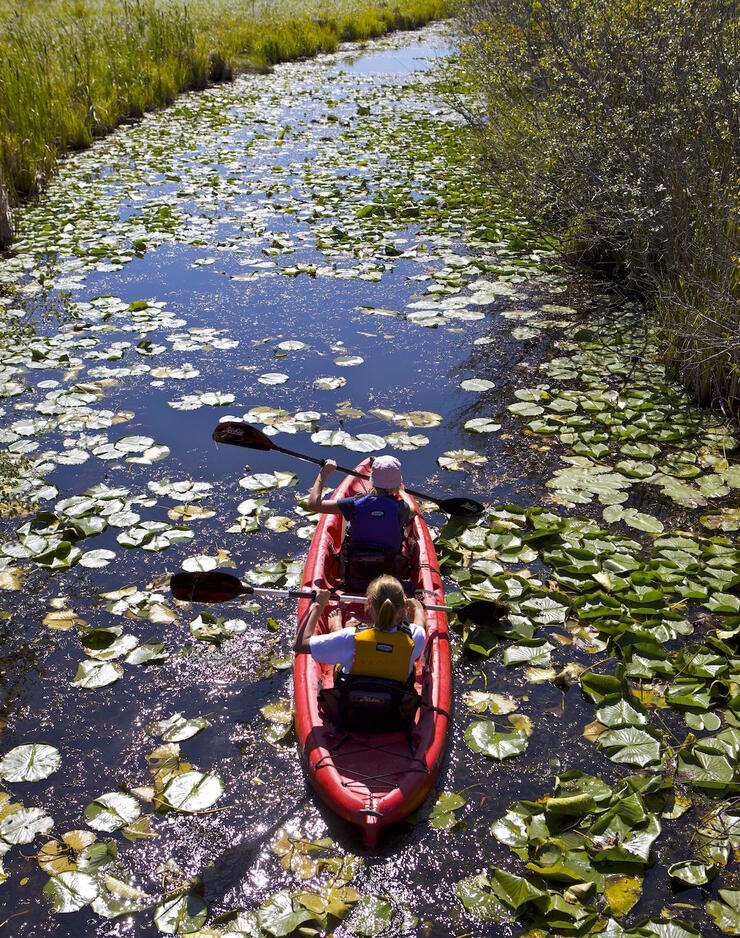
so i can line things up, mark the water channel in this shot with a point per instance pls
(311, 249)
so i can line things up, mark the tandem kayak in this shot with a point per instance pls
(373, 780)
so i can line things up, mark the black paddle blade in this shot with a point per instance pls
(461, 507)
(214, 587)
(482, 612)
(241, 434)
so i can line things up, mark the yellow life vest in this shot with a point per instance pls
(383, 654)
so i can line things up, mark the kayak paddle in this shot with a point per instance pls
(243, 434)
(219, 587)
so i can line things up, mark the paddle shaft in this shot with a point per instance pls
(238, 433)
(349, 472)
(335, 594)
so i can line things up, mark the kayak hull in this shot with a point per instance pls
(373, 780)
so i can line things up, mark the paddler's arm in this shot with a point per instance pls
(301, 645)
(412, 507)
(415, 614)
(329, 506)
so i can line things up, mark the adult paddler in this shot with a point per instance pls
(377, 519)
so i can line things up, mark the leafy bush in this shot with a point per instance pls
(617, 122)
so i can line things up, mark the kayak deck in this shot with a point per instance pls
(373, 780)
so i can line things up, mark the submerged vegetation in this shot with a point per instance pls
(618, 124)
(72, 70)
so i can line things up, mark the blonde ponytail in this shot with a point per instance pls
(385, 601)
(386, 615)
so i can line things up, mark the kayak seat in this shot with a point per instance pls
(369, 705)
(359, 565)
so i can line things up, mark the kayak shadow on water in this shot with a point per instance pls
(229, 868)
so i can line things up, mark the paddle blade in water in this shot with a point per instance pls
(213, 587)
(241, 434)
(482, 612)
(461, 507)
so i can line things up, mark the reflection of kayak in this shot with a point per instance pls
(373, 780)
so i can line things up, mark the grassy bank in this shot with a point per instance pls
(617, 123)
(71, 70)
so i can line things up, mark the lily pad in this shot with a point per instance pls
(70, 891)
(483, 737)
(112, 811)
(30, 763)
(193, 791)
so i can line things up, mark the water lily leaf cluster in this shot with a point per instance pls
(575, 846)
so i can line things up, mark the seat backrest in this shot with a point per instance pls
(369, 705)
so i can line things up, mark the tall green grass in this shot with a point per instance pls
(71, 70)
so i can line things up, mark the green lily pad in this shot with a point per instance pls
(112, 811)
(92, 674)
(21, 826)
(281, 915)
(482, 736)
(70, 891)
(480, 902)
(180, 914)
(177, 727)
(29, 763)
(372, 916)
(193, 791)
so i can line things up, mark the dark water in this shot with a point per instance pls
(210, 161)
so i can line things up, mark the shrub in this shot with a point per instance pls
(617, 122)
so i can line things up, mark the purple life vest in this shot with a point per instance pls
(376, 523)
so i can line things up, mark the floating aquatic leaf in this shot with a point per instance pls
(21, 826)
(482, 736)
(372, 916)
(281, 915)
(346, 361)
(264, 481)
(70, 891)
(479, 701)
(96, 559)
(94, 674)
(30, 763)
(183, 491)
(193, 791)
(180, 914)
(118, 897)
(726, 913)
(406, 442)
(177, 727)
(480, 902)
(515, 891)
(442, 816)
(329, 383)
(622, 893)
(727, 519)
(482, 425)
(691, 873)
(461, 459)
(476, 384)
(112, 811)
(635, 519)
(273, 377)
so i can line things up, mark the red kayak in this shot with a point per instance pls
(373, 780)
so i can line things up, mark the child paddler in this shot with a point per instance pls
(385, 648)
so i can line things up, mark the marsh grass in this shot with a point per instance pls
(71, 70)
